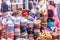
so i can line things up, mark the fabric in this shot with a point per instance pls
(16, 19)
(30, 18)
(37, 14)
(4, 20)
(10, 23)
(11, 28)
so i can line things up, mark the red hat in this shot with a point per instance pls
(25, 10)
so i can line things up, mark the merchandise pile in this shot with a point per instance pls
(35, 24)
(27, 25)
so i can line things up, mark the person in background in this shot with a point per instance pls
(4, 7)
(57, 2)
(9, 4)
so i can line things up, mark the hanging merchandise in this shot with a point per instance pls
(32, 15)
(24, 30)
(24, 13)
(30, 30)
(30, 25)
(1, 25)
(45, 35)
(50, 22)
(24, 24)
(24, 33)
(10, 29)
(3, 39)
(10, 25)
(30, 18)
(37, 26)
(36, 32)
(3, 34)
(55, 35)
(10, 35)
(41, 11)
(17, 33)
(23, 39)
(37, 15)
(47, 28)
(31, 37)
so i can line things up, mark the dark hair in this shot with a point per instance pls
(50, 13)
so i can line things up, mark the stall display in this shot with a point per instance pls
(25, 24)
(18, 27)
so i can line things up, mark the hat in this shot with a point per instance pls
(25, 10)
